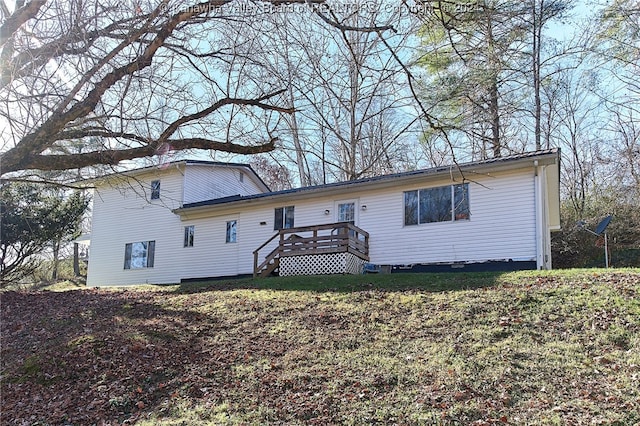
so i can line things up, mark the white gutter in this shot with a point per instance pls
(543, 242)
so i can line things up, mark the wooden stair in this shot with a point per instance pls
(338, 237)
(270, 269)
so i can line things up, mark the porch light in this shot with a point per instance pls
(364, 207)
(327, 212)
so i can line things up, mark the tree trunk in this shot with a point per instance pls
(537, 46)
(56, 260)
(494, 105)
(495, 118)
(76, 260)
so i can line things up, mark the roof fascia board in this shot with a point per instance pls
(128, 174)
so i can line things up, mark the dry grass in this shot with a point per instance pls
(520, 348)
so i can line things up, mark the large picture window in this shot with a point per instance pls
(440, 204)
(283, 218)
(139, 255)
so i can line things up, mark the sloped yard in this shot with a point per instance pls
(522, 348)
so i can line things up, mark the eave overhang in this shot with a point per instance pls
(455, 173)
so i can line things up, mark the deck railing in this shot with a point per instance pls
(338, 237)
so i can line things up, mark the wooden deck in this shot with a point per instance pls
(341, 237)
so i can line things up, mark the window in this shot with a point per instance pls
(189, 232)
(283, 218)
(232, 231)
(347, 213)
(139, 255)
(440, 204)
(155, 189)
(241, 177)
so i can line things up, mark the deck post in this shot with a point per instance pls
(255, 264)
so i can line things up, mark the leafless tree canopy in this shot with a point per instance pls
(353, 115)
(87, 82)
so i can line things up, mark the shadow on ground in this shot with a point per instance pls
(430, 282)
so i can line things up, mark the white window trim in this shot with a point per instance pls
(283, 225)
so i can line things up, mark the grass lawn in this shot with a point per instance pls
(551, 347)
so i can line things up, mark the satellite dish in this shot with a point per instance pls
(600, 230)
(602, 226)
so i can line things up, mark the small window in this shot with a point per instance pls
(232, 231)
(189, 232)
(139, 255)
(440, 204)
(241, 177)
(155, 189)
(283, 218)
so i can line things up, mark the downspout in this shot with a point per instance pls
(538, 216)
(546, 232)
(543, 241)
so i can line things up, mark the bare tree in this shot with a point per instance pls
(352, 110)
(139, 76)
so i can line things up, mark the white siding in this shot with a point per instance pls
(206, 182)
(501, 227)
(210, 255)
(124, 214)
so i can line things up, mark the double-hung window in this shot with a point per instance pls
(439, 204)
(139, 255)
(189, 233)
(283, 218)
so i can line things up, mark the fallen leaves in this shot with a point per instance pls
(487, 356)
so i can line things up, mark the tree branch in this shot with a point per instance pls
(115, 156)
(18, 18)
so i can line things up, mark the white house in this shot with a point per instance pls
(193, 220)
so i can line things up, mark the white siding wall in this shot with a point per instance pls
(122, 215)
(206, 182)
(501, 227)
(211, 256)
